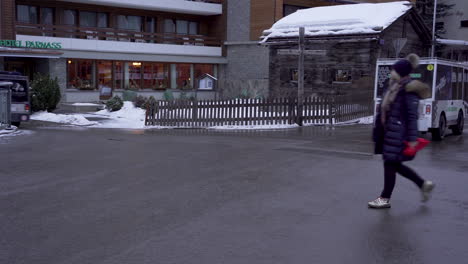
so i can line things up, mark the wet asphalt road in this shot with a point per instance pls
(195, 196)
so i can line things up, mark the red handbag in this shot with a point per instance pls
(411, 151)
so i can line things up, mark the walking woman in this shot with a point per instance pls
(395, 124)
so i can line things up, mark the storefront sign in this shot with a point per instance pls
(30, 44)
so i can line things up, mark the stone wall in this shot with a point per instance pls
(57, 68)
(246, 73)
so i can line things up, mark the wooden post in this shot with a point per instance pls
(300, 83)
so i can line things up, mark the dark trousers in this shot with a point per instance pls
(391, 168)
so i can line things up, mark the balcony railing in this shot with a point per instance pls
(110, 34)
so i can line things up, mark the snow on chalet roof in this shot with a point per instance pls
(339, 20)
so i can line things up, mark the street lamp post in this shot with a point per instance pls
(434, 29)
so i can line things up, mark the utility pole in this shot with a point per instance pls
(300, 81)
(434, 29)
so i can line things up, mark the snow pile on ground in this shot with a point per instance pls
(127, 117)
(4, 131)
(5, 134)
(250, 127)
(339, 20)
(367, 120)
(72, 119)
(85, 104)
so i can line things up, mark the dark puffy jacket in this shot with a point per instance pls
(401, 123)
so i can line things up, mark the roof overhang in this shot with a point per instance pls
(30, 53)
(453, 42)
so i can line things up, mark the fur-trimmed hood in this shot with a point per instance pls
(418, 88)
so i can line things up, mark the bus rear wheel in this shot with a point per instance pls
(458, 128)
(439, 133)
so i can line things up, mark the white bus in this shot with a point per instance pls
(448, 105)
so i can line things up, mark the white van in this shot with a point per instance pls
(448, 105)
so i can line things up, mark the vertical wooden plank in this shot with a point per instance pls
(278, 116)
(254, 111)
(229, 112)
(245, 109)
(210, 112)
(310, 113)
(204, 110)
(275, 111)
(283, 110)
(171, 113)
(321, 109)
(183, 111)
(168, 113)
(306, 110)
(177, 112)
(163, 112)
(223, 112)
(215, 113)
(157, 112)
(174, 112)
(313, 113)
(219, 106)
(226, 109)
(200, 113)
(187, 113)
(194, 112)
(218, 113)
(241, 116)
(280, 111)
(324, 110)
(270, 111)
(261, 109)
(251, 110)
(234, 111)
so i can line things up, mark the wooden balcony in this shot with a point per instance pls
(111, 34)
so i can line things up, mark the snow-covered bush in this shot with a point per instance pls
(114, 104)
(151, 100)
(140, 101)
(45, 93)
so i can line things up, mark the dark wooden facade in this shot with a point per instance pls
(7, 19)
(343, 64)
